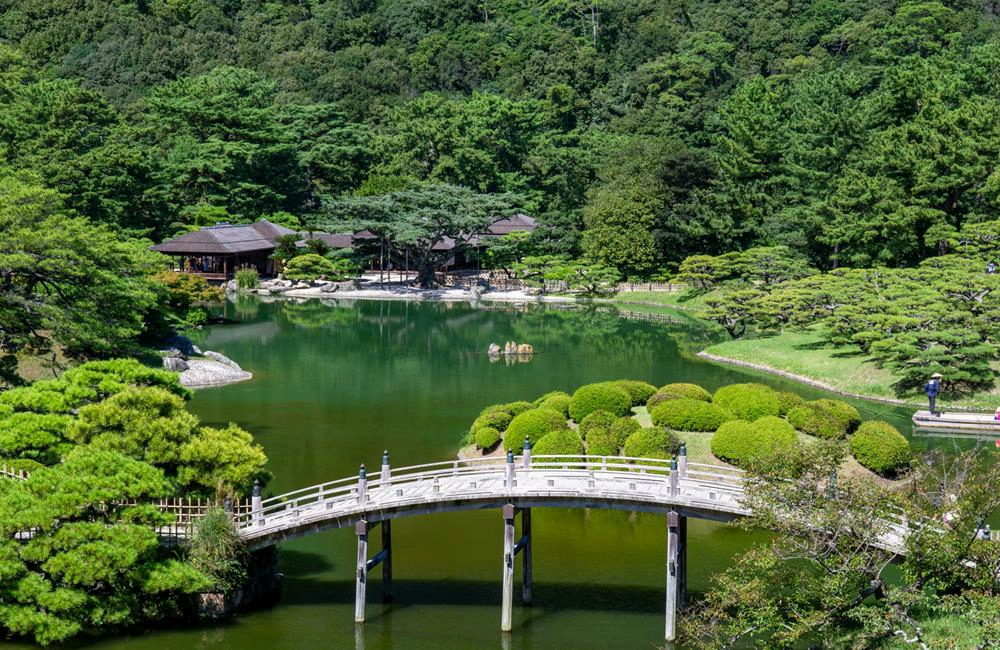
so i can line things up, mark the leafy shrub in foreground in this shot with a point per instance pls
(533, 424)
(825, 418)
(487, 438)
(557, 402)
(639, 391)
(655, 442)
(689, 415)
(493, 419)
(880, 447)
(748, 401)
(689, 391)
(740, 442)
(605, 396)
(596, 420)
(563, 442)
(311, 267)
(788, 401)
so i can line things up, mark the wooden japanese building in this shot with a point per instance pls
(216, 252)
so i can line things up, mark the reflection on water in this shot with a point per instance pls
(337, 381)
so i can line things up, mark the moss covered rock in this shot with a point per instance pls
(880, 447)
(533, 424)
(748, 401)
(605, 396)
(689, 415)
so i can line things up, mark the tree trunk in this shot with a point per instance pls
(425, 275)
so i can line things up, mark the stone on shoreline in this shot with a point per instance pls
(175, 363)
(208, 372)
(223, 359)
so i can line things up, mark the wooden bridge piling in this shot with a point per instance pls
(361, 530)
(510, 551)
(676, 570)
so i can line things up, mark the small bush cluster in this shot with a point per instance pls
(596, 420)
(689, 415)
(639, 391)
(556, 401)
(563, 442)
(655, 442)
(311, 267)
(825, 418)
(605, 396)
(741, 442)
(247, 278)
(487, 438)
(880, 447)
(688, 391)
(532, 424)
(748, 401)
(788, 400)
(491, 419)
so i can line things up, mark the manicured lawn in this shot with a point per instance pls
(845, 369)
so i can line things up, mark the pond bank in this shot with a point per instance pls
(400, 292)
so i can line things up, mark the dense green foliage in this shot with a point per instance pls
(748, 401)
(556, 401)
(532, 424)
(655, 442)
(741, 442)
(565, 442)
(689, 415)
(688, 391)
(825, 418)
(486, 438)
(311, 267)
(880, 447)
(639, 391)
(595, 421)
(604, 396)
(217, 551)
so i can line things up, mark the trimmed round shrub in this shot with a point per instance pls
(516, 408)
(487, 438)
(825, 418)
(689, 415)
(599, 397)
(532, 424)
(600, 442)
(564, 442)
(622, 429)
(655, 442)
(740, 442)
(688, 391)
(596, 420)
(880, 447)
(639, 391)
(493, 419)
(748, 401)
(659, 398)
(788, 401)
(557, 402)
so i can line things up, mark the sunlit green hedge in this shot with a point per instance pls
(880, 447)
(748, 401)
(740, 442)
(825, 418)
(533, 424)
(655, 442)
(689, 415)
(596, 420)
(639, 391)
(605, 396)
(487, 438)
(689, 391)
(563, 442)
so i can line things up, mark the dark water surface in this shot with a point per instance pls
(336, 383)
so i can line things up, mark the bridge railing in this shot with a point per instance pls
(347, 490)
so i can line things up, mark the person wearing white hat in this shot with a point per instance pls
(932, 388)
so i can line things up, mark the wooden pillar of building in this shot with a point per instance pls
(676, 570)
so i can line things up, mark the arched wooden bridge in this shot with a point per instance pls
(675, 488)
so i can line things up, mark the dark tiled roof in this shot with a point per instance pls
(226, 239)
(336, 240)
(502, 227)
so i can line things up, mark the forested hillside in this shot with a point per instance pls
(637, 131)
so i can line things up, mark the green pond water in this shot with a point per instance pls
(335, 383)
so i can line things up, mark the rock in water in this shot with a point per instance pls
(223, 359)
(175, 364)
(494, 350)
(525, 348)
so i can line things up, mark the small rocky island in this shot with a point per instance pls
(201, 369)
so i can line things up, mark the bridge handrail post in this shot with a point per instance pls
(682, 460)
(526, 453)
(257, 516)
(362, 485)
(386, 470)
(509, 477)
(673, 476)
